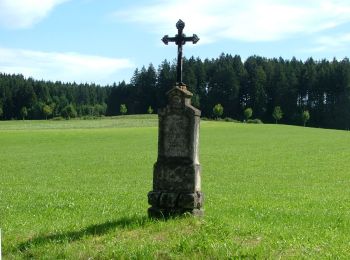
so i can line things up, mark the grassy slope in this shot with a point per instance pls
(77, 189)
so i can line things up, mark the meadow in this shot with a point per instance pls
(77, 189)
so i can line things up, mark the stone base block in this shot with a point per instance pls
(165, 204)
(164, 199)
(172, 212)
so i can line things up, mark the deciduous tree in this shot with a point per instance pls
(69, 112)
(277, 114)
(47, 111)
(24, 112)
(248, 112)
(123, 109)
(218, 110)
(305, 116)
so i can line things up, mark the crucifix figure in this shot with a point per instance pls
(180, 39)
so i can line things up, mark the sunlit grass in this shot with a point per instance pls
(78, 189)
(102, 122)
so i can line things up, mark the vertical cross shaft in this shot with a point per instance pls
(179, 44)
(180, 39)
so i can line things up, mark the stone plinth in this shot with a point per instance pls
(176, 174)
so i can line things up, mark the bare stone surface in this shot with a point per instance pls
(176, 174)
(176, 140)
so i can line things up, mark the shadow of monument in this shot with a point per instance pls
(93, 230)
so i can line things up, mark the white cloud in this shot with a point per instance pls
(18, 14)
(56, 66)
(251, 20)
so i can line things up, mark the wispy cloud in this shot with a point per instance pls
(339, 42)
(19, 14)
(66, 67)
(252, 20)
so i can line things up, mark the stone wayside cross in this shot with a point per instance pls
(180, 39)
(176, 174)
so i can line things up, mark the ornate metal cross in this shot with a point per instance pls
(180, 39)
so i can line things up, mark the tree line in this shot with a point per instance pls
(320, 87)
(22, 98)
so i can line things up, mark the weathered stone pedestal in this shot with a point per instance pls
(176, 174)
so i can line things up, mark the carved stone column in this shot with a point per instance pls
(176, 174)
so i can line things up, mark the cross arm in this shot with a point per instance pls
(193, 39)
(167, 39)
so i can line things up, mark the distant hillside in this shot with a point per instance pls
(320, 87)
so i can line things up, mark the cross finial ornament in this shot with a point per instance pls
(180, 39)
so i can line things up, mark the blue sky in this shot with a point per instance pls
(104, 41)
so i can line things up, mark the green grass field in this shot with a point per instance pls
(78, 189)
